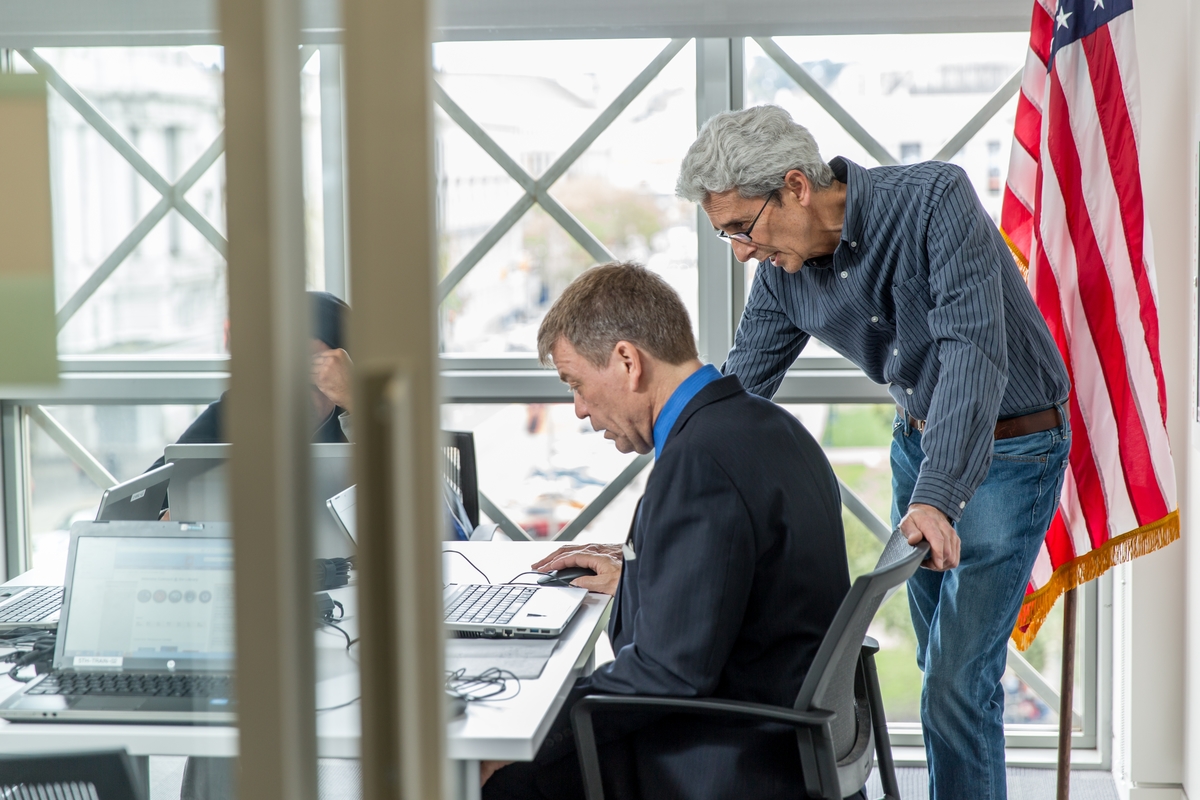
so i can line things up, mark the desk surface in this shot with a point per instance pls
(509, 730)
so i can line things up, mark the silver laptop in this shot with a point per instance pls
(517, 610)
(146, 634)
(30, 607)
(138, 499)
(200, 489)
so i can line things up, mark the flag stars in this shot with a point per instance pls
(1097, 4)
(1063, 17)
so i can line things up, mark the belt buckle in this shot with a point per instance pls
(920, 426)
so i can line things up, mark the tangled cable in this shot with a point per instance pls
(490, 684)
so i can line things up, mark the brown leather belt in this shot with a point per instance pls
(1045, 420)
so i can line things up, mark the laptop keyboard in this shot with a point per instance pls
(137, 684)
(488, 605)
(33, 606)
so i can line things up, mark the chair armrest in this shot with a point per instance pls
(814, 737)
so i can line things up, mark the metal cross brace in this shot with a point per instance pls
(859, 133)
(172, 193)
(538, 191)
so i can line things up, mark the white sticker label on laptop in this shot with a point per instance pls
(98, 661)
(138, 495)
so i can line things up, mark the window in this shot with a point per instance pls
(549, 156)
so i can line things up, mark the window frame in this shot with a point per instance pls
(512, 379)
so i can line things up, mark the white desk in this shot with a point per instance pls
(509, 730)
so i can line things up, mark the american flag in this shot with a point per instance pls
(1074, 217)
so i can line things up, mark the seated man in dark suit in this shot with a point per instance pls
(733, 570)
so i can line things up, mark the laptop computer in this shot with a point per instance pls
(516, 610)
(146, 633)
(341, 506)
(139, 499)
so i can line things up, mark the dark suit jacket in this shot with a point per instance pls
(740, 567)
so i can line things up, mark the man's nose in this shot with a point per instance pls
(743, 251)
(581, 410)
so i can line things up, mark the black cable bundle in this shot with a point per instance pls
(332, 573)
(40, 653)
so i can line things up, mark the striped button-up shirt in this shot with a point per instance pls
(923, 295)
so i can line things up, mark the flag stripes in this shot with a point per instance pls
(1074, 216)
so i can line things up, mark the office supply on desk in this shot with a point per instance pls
(510, 610)
(146, 633)
(200, 489)
(564, 576)
(139, 499)
(524, 658)
(105, 775)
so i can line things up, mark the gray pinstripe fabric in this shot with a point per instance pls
(923, 295)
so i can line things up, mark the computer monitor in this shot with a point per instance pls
(199, 489)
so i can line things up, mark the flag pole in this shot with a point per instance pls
(1066, 711)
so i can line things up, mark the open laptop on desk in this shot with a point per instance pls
(146, 634)
(140, 498)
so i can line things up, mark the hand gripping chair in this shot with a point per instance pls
(838, 714)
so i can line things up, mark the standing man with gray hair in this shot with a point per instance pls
(900, 270)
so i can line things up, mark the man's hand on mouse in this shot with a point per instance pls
(604, 559)
(924, 522)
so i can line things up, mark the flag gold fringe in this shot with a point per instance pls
(1018, 256)
(1090, 566)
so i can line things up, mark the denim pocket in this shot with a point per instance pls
(1031, 448)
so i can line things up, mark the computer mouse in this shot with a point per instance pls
(564, 576)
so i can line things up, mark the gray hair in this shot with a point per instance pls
(749, 150)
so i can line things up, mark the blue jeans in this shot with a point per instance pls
(963, 617)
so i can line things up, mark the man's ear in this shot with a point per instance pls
(630, 361)
(797, 183)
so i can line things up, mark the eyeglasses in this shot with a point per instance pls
(744, 236)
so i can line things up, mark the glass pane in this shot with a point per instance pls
(910, 92)
(534, 99)
(541, 466)
(126, 440)
(167, 103)
(857, 440)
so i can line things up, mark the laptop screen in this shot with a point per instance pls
(150, 602)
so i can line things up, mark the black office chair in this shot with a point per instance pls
(838, 714)
(105, 775)
(458, 465)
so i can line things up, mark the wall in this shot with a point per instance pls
(1149, 759)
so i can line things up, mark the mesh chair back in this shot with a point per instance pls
(830, 682)
(70, 776)
(458, 465)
